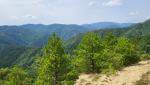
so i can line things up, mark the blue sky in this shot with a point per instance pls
(15, 12)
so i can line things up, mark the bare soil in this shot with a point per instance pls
(127, 76)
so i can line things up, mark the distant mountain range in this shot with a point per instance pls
(105, 25)
(37, 34)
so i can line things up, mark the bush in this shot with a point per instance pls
(145, 57)
(14, 76)
(127, 50)
(109, 60)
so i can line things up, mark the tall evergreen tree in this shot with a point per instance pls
(88, 51)
(128, 51)
(54, 65)
(109, 59)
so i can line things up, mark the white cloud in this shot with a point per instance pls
(14, 17)
(133, 13)
(92, 3)
(24, 17)
(146, 18)
(28, 16)
(112, 3)
(69, 11)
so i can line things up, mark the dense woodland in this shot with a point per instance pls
(60, 62)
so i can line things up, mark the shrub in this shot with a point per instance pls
(145, 57)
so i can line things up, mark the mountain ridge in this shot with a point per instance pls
(37, 34)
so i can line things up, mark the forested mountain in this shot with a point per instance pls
(22, 56)
(141, 29)
(37, 34)
(107, 25)
(139, 33)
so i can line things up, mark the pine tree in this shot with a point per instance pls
(109, 60)
(88, 51)
(54, 65)
(128, 51)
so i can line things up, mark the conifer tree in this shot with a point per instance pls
(54, 65)
(128, 51)
(109, 60)
(88, 51)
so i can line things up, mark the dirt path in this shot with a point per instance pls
(127, 76)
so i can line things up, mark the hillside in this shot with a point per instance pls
(107, 25)
(128, 76)
(141, 29)
(36, 35)
(138, 33)
(22, 56)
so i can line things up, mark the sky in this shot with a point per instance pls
(17, 12)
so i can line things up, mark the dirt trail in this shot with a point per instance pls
(127, 76)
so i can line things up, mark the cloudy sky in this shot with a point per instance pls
(14, 12)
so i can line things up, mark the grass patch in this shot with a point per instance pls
(145, 57)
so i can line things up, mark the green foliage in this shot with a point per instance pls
(18, 77)
(109, 59)
(3, 75)
(128, 51)
(145, 57)
(89, 49)
(146, 44)
(22, 56)
(95, 54)
(54, 66)
(14, 76)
